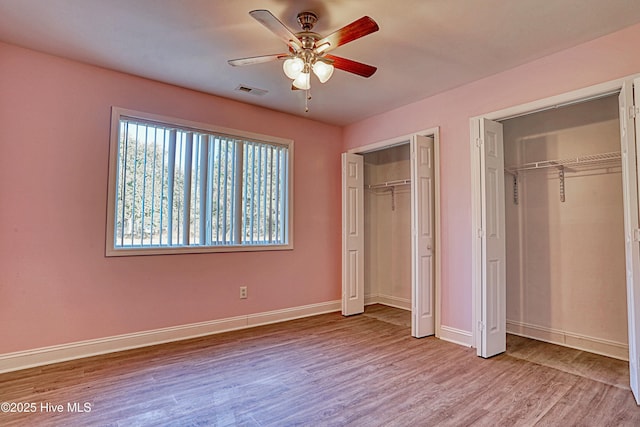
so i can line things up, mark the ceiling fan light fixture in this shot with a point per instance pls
(322, 70)
(292, 67)
(307, 49)
(303, 81)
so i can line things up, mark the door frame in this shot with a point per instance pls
(400, 140)
(581, 95)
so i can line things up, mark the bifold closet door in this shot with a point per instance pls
(352, 234)
(423, 237)
(493, 323)
(629, 138)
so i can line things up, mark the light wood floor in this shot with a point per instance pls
(325, 370)
(588, 365)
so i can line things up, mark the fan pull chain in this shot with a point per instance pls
(307, 98)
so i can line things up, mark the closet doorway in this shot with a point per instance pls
(555, 213)
(389, 228)
(564, 225)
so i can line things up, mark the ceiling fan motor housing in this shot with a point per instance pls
(307, 38)
(307, 20)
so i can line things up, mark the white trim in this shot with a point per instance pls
(164, 120)
(406, 139)
(555, 101)
(438, 251)
(456, 336)
(381, 145)
(388, 300)
(391, 301)
(446, 333)
(476, 241)
(170, 250)
(77, 350)
(476, 208)
(371, 299)
(600, 346)
(276, 316)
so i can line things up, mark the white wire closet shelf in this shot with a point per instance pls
(390, 186)
(386, 184)
(588, 161)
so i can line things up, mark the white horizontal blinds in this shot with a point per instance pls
(264, 194)
(182, 187)
(141, 182)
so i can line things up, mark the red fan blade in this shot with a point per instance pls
(346, 34)
(257, 59)
(351, 66)
(272, 23)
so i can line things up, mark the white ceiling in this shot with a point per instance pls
(423, 46)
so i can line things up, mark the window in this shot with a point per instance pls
(177, 186)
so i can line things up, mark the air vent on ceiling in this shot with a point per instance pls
(251, 90)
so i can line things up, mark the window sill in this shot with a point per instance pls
(111, 252)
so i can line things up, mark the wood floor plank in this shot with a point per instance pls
(327, 370)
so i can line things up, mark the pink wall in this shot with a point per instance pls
(56, 286)
(600, 60)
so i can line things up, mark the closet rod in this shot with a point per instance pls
(390, 183)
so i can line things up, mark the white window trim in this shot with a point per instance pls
(111, 250)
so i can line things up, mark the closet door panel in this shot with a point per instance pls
(493, 298)
(422, 171)
(628, 148)
(352, 234)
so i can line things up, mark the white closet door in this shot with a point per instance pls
(352, 234)
(493, 324)
(423, 239)
(629, 137)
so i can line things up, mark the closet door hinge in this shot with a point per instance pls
(478, 142)
(636, 234)
(480, 326)
(634, 112)
(480, 233)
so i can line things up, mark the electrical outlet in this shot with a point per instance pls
(243, 292)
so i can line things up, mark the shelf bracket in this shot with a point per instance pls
(561, 176)
(393, 198)
(515, 188)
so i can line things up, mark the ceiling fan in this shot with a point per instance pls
(309, 51)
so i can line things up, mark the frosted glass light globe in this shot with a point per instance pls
(303, 81)
(323, 71)
(292, 67)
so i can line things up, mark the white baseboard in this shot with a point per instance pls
(600, 346)
(453, 335)
(77, 350)
(389, 300)
(396, 302)
(371, 299)
(456, 336)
